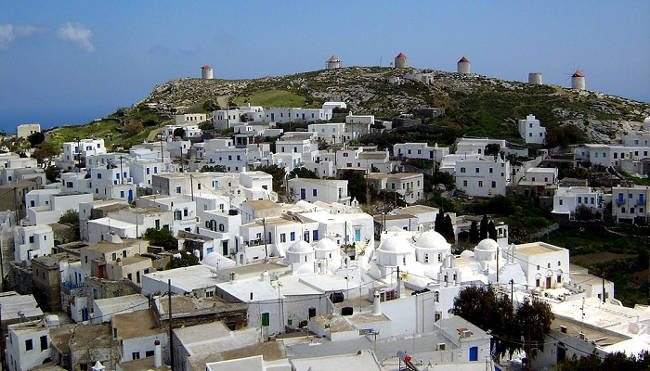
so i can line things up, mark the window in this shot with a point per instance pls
(464, 183)
(283, 237)
(293, 236)
(462, 169)
(494, 184)
(314, 192)
(44, 344)
(491, 170)
(31, 239)
(480, 184)
(135, 355)
(315, 235)
(178, 189)
(561, 202)
(476, 170)
(148, 353)
(28, 345)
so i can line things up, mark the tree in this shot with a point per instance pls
(473, 233)
(302, 172)
(210, 106)
(52, 173)
(36, 138)
(391, 198)
(213, 168)
(492, 230)
(613, 361)
(133, 127)
(161, 237)
(439, 222)
(489, 311)
(179, 132)
(483, 233)
(357, 185)
(69, 217)
(278, 175)
(533, 318)
(186, 259)
(492, 149)
(448, 229)
(45, 152)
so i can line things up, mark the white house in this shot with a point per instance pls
(545, 266)
(27, 345)
(182, 207)
(297, 142)
(72, 151)
(531, 130)
(55, 206)
(483, 177)
(331, 132)
(567, 200)
(541, 175)
(610, 155)
(408, 185)
(32, 241)
(629, 203)
(477, 145)
(326, 190)
(190, 118)
(420, 151)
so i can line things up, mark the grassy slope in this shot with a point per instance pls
(615, 258)
(272, 98)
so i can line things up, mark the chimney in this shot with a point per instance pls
(157, 354)
(376, 304)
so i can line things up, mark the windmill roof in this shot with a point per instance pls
(578, 73)
(463, 59)
(400, 55)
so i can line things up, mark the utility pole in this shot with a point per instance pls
(266, 252)
(512, 293)
(603, 289)
(171, 338)
(121, 172)
(2, 343)
(192, 187)
(497, 266)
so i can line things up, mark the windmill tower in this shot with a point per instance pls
(333, 63)
(578, 80)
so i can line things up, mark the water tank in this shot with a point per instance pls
(463, 66)
(337, 297)
(347, 311)
(578, 81)
(535, 78)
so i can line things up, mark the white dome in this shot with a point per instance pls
(326, 244)
(301, 247)
(487, 244)
(432, 240)
(396, 244)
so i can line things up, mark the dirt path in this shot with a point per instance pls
(222, 101)
(153, 134)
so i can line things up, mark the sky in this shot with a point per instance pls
(74, 61)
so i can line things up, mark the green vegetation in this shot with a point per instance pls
(521, 214)
(357, 185)
(124, 128)
(272, 98)
(161, 237)
(622, 260)
(187, 259)
(635, 179)
(613, 361)
(69, 217)
(302, 172)
(530, 321)
(213, 168)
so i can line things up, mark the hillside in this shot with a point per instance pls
(475, 105)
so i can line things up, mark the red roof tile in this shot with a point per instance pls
(400, 55)
(463, 59)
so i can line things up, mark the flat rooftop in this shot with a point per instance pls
(536, 248)
(261, 204)
(136, 324)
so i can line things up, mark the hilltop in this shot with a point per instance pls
(474, 104)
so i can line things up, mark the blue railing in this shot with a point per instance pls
(71, 285)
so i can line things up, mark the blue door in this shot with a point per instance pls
(473, 354)
(357, 235)
(84, 314)
(272, 116)
(130, 195)
(430, 154)
(303, 116)
(302, 193)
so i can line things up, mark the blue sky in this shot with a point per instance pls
(73, 61)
